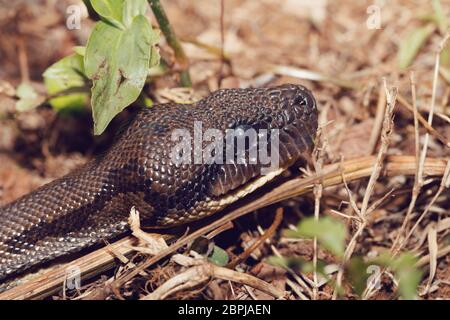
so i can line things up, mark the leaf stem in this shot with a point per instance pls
(172, 40)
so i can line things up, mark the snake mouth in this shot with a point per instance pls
(295, 138)
(298, 122)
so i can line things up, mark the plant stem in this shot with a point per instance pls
(172, 40)
(92, 13)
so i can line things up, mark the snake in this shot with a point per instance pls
(92, 204)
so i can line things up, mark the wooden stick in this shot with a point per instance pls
(50, 281)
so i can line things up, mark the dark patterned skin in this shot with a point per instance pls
(93, 203)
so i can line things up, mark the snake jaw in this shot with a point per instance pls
(217, 205)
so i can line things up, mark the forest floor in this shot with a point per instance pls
(336, 49)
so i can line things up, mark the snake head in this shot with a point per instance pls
(288, 110)
(284, 117)
(291, 107)
(279, 107)
(294, 113)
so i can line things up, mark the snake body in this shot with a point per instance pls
(92, 204)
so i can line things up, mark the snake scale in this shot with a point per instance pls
(92, 204)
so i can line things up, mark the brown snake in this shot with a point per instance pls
(93, 203)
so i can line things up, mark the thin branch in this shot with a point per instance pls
(172, 40)
(418, 179)
(318, 159)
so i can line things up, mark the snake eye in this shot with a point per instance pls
(300, 100)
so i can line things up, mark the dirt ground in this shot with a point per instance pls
(333, 48)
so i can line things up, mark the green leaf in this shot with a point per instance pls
(298, 263)
(357, 275)
(28, 97)
(294, 263)
(405, 271)
(117, 61)
(80, 50)
(278, 262)
(206, 248)
(441, 20)
(408, 275)
(219, 256)
(330, 233)
(120, 13)
(411, 46)
(63, 75)
(110, 10)
(132, 9)
(148, 102)
(144, 100)
(308, 267)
